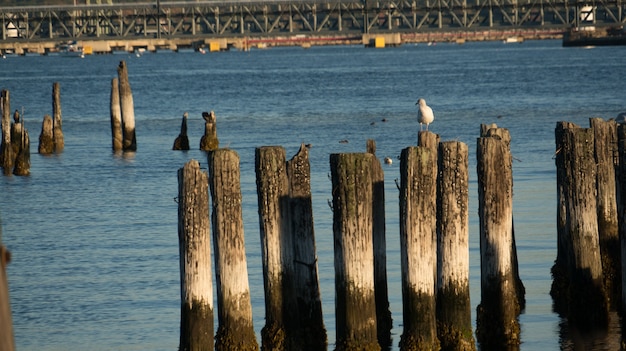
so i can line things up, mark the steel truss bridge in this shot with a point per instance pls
(202, 19)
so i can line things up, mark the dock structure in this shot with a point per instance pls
(219, 25)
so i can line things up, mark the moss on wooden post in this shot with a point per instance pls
(354, 258)
(196, 287)
(502, 293)
(209, 140)
(235, 331)
(454, 314)
(57, 120)
(418, 247)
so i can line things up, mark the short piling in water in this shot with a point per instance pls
(116, 117)
(310, 333)
(182, 141)
(20, 141)
(418, 247)
(383, 314)
(209, 140)
(586, 300)
(355, 304)
(276, 247)
(8, 156)
(57, 120)
(454, 314)
(7, 343)
(606, 154)
(46, 139)
(129, 141)
(502, 293)
(235, 330)
(196, 287)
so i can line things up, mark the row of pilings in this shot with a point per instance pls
(588, 273)
(434, 235)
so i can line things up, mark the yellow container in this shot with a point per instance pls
(87, 50)
(214, 46)
(379, 42)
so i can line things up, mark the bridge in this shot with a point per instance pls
(185, 23)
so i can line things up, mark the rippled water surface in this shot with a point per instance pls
(94, 235)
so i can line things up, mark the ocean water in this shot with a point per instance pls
(94, 234)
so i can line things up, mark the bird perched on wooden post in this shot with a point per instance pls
(425, 114)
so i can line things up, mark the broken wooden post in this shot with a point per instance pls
(182, 141)
(310, 334)
(235, 330)
(454, 311)
(621, 211)
(7, 342)
(20, 141)
(8, 156)
(418, 247)
(194, 242)
(502, 294)
(209, 140)
(57, 123)
(586, 297)
(129, 142)
(354, 257)
(116, 117)
(383, 314)
(46, 139)
(605, 147)
(276, 247)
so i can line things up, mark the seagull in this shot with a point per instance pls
(425, 114)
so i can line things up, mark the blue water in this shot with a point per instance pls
(94, 235)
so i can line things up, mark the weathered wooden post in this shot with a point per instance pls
(428, 139)
(502, 294)
(20, 142)
(116, 117)
(354, 257)
(46, 139)
(586, 297)
(182, 141)
(276, 247)
(57, 120)
(8, 156)
(129, 142)
(418, 247)
(235, 330)
(311, 332)
(621, 211)
(209, 140)
(454, 311)
(605, 147)
(383, 314)
(7, 343)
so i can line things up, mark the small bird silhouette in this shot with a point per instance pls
(425, 114)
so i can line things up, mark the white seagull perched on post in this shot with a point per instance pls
(425, 114)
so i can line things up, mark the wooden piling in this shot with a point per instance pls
(182, 141)
(502, 296)
(116, 117)
(46, 138)
(209, 140)
(129, 142)
(418, 247)
(621, 211)
(8, 156)
(196, 287)
(586, 296)
(428, 139)
(235, 331)
(383, 314)
(605, 151)
(7, 342)
(354, 258)
(276, 246)
(57, 120)
(310, 333)
(454, 311)
(20, 142)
